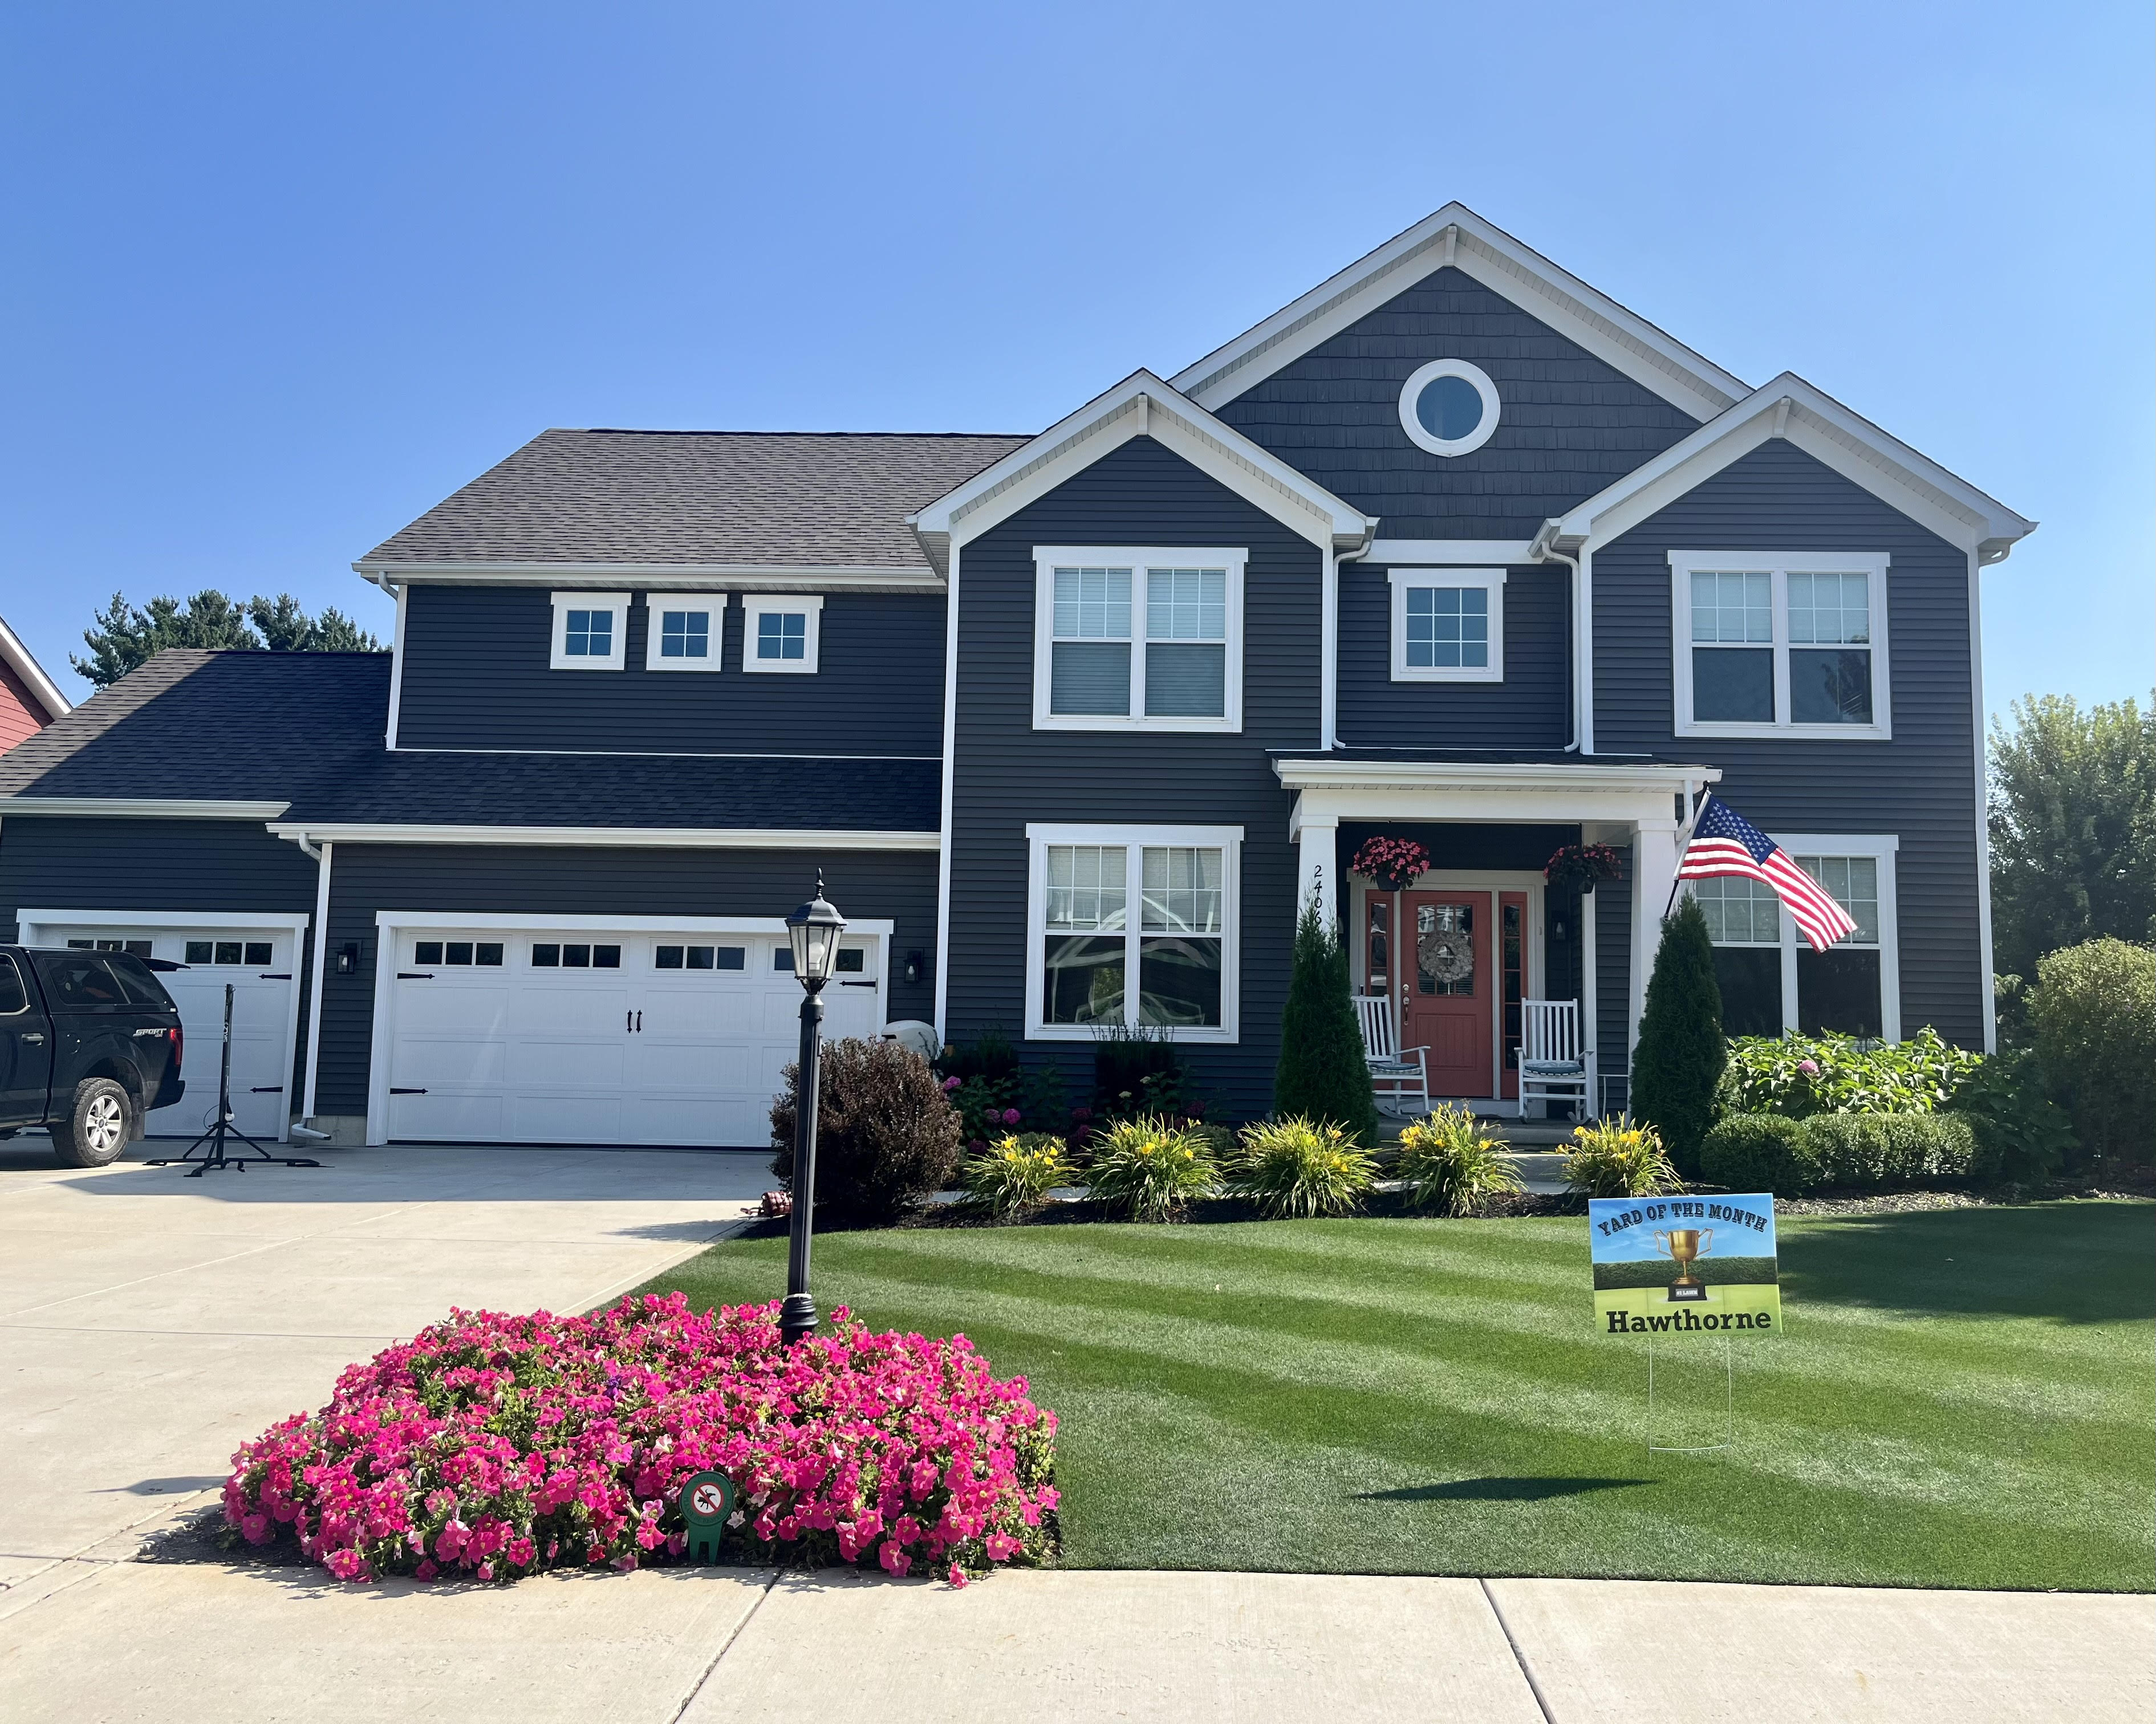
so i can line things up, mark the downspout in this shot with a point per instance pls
(1544, 551)
(314, 993)
(1329, 683)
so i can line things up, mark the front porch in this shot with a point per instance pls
(1462, 949)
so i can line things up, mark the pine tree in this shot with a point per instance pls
(1322, 1075)
(1681, 1051)
(127, 635)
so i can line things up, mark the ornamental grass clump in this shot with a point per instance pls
(1014, 1174)
(490, 1447)
(1297, 1167)
(1450, 1166)
(1149, 1168)
(1616, 1158)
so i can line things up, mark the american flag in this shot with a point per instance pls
(1724, 842)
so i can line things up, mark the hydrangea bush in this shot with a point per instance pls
(491, 1447)
(1801, 1075)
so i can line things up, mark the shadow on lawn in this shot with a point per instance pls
(1498, 1489)
(2073, 1263)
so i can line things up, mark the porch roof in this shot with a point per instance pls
(1486, 785)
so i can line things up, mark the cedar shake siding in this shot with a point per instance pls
(1569, 424)
(1006, 774)
(1921, 785)
(475, 676)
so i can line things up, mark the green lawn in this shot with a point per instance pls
(1964, 1397)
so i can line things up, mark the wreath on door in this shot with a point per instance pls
(1446, 953)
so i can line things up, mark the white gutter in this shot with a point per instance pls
(143, 808)
(643, 837)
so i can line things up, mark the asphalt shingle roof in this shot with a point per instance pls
(699, 498)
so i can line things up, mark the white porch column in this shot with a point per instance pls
(1314, 837)
(1654, 873)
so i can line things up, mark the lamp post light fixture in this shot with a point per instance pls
(814, 929)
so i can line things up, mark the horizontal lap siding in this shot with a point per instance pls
(1530, 709)
(1006, 774)
(1613, 966)
(1921, 785)
(365, 879)
(1568, 426)
(475, 676)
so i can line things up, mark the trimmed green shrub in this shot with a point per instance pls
(1149, 1168)
(886, 1136)
(1297, 1167)
(1799, 1075)
(1883, 1151)
(2096, 1037)
(1759, 1151)
(1679, 1058)
(1617, 1158)
(1322, 1074)
(2022, 1136)
(1450, 1166)
(1014, 1175)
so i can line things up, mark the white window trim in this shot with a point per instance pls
(1421, 378)
(1047, 558)
(1777, 564)
(713, 604)
(564, 603)
(1881, 847)
(1491, 581)
(756, 605)
(1227, 840)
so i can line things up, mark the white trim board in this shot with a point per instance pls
(657, 576)
(547, 922)
(646, 838)
(1503, 553)
(18, 659)
(142, 808)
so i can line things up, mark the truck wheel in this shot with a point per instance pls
(97, 1126)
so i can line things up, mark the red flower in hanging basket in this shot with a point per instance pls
(1581, 865)
(1391, 862)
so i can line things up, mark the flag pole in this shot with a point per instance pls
(1683, 841)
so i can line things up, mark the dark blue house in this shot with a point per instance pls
(1454, 548)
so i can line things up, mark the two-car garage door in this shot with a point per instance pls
(626, 1034)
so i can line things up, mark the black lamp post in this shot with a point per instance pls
(814, 929)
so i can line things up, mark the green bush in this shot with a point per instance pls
(1298, 1167)
(1759, 1152)
(1885, 1151)
(2022, 1136)
(886, 1136)
(1322, 1074)
(1140, 1073)
(2096, 1037)
(988, 1084)
(1149, 1168)
(1798, 1075)
(1616, 1158)
(1681, 1051)
(1450, 1166)
(1014, 1174)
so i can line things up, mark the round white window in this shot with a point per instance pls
(1449, 407)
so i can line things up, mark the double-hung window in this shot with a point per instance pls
(1771, 981)
(591, 631)
(781, 632)
(1137, 640)
(1133, 926)
(684, 631)
(1448, 625)
(1769, 643)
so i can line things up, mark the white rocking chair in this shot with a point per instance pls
(1404, 1071)
(1553, 1066)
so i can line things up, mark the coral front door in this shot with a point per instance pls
(1445, 1004)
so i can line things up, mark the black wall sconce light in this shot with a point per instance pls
(348, 958)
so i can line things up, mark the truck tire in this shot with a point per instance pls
(97, 1126)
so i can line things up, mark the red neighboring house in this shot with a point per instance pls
(28, 700)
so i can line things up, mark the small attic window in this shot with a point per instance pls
(1449, 407)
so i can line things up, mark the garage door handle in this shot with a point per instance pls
(857, 984)
(267, 1089)
(415, 975)
(395, 1091)
(281, 976)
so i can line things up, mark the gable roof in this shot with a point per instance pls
(31, 675)
(691, 504)
(1456, 236)
(1814, 421)
(1142, 405)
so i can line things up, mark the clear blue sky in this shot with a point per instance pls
(278, 278)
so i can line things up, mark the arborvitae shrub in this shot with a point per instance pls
(1680, 1053)
(1322, 1075)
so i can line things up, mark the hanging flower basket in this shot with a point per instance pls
(1391, 863)
(1581, 865)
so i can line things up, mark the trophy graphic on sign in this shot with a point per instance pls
(1687, 1244)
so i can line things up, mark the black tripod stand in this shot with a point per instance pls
(221, 1130)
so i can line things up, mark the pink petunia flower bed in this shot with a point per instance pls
(490, 1447)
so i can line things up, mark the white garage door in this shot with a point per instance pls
(596, 1036)
(259, 963)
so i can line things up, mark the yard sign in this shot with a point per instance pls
(1684, 1266)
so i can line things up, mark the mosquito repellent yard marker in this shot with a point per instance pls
(706, 1500)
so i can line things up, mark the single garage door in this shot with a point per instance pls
(539, 1035)
(259, 962)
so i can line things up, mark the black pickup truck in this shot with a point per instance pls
(90, 1043)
